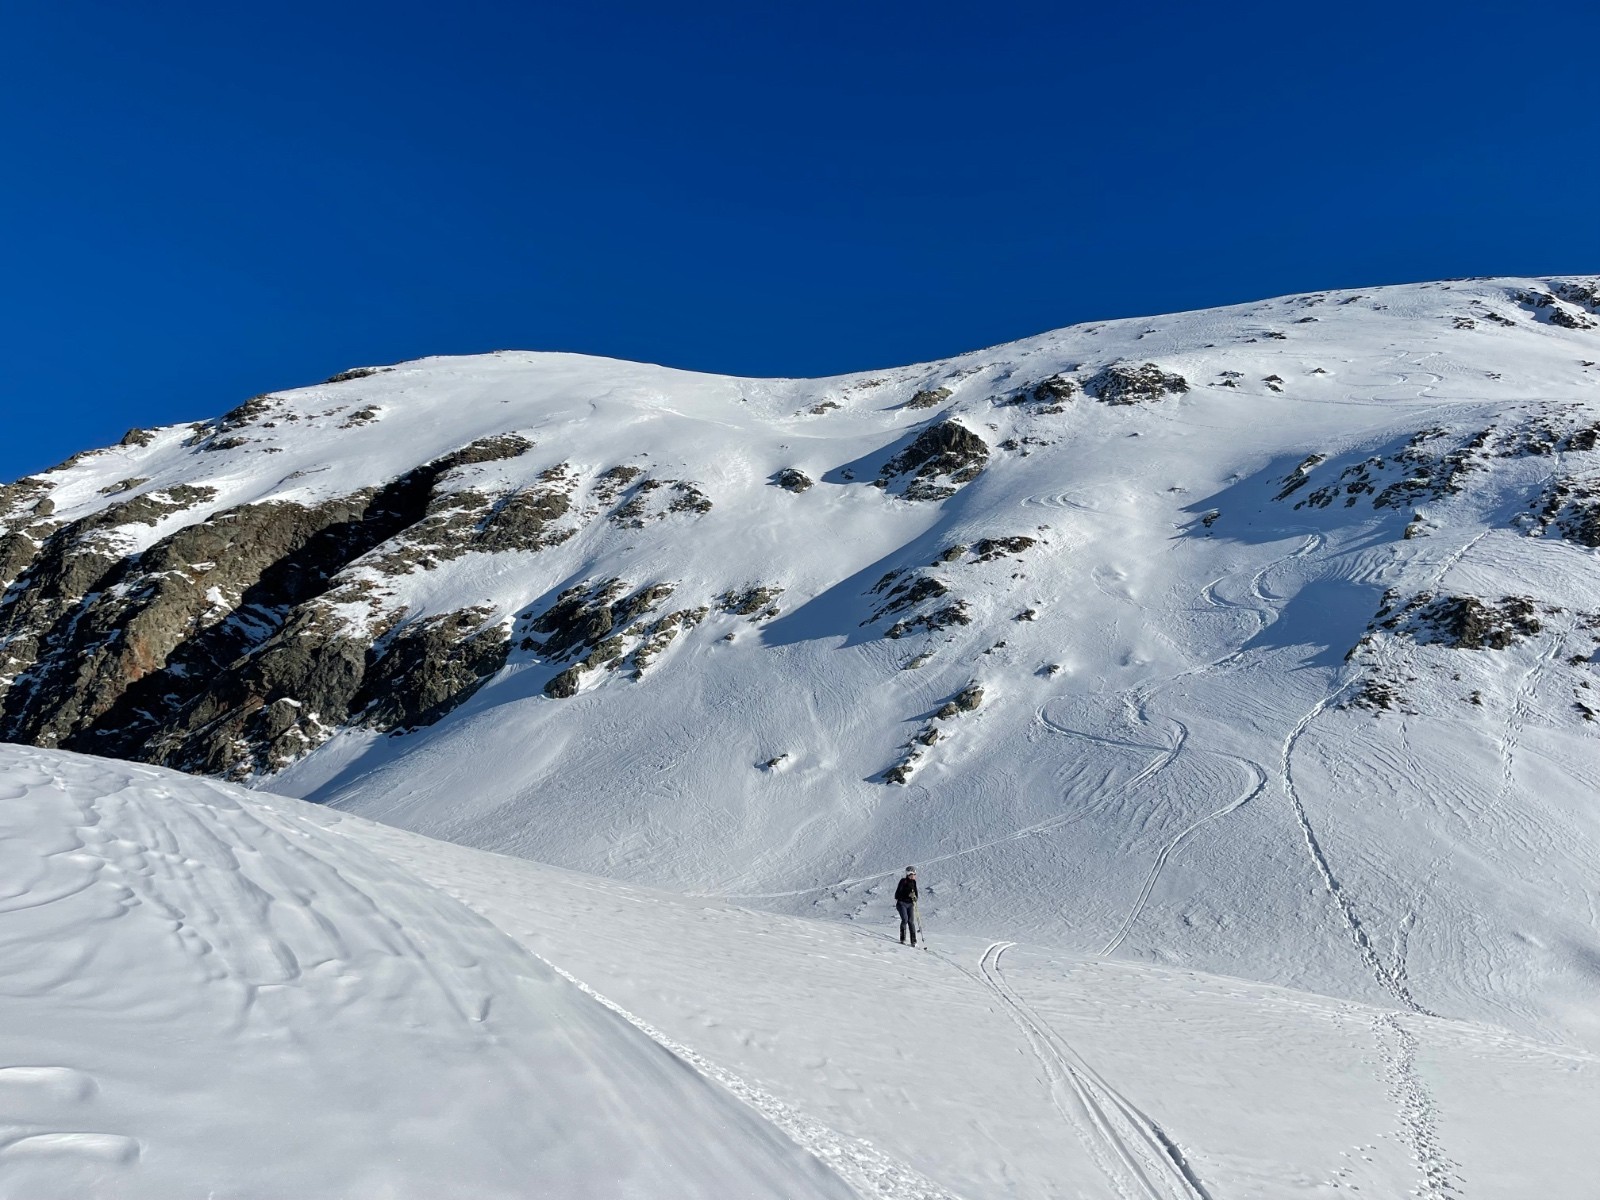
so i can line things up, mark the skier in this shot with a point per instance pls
(905, 899)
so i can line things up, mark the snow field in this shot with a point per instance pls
(209, 996)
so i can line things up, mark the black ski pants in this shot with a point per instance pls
(908, 919)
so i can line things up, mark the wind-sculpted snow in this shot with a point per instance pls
(206, 994)
(987, 1068)
(1282, 617)
(210, 991)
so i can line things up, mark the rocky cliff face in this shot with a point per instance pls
(222, 646)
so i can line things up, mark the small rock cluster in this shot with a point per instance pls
(609, 625)
(942, 459)
(969, 699)
(1127, 383)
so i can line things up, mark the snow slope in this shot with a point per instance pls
(212, 992)
(207, 995)
(1238, 711)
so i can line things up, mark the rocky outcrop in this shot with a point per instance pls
(1047, 396)
(1127, 383)
(754, 600)
(1468, 623)
(928, 398)
(939, 462)
(425, 670)
(222, 647)
(1548, 308)
(918, 602)
(608, 624)
(656, 499)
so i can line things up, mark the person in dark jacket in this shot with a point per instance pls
(905, 899)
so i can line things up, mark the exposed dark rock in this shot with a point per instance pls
(611, 483)
(753, 600)
(1581, 292)
(494, 448)
(356, 373)
(1374, 695)
(688, 498)
(683, 496)
(1052, 394)
(989, 549)
(600, 620)
(249, 412)
(222, 648)
(966, 700)
(422, 671)
(1431, 465)
(467, 521)
(907, 594)
(659, 634)
(565, 684)
(647, 599)
(930, 398)
(580, 617)
(940, 618)
(947, 450)
(1468, 623)
(124, 646)
(123, 485)
(1126, 383)
(1570, 320)
(791, 479)
(524, 520)
(138, 437)
(604, 653)
(1545, 307)
(24, 492)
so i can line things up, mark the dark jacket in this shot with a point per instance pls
(906, 892)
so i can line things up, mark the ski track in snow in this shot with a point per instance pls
(1385, 975)
(1164, 755)
(1137, 699)
(865, 1168)
(1137, 1157)
(1167, 850)
(1418, 1111)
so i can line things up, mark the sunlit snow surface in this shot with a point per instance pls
(202, 993)
(212, 992)
(1187, 791)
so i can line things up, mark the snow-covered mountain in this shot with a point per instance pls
(1256, 641)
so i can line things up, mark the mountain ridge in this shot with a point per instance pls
(1158, 636)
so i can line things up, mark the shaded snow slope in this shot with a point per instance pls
(1256, 640)
(216, 992)
(205, 995)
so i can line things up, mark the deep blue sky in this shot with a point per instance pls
(205, 201)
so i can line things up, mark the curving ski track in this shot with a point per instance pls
(1138, 1158)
